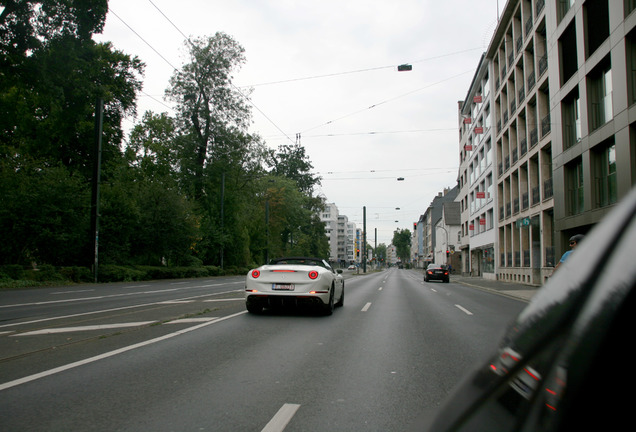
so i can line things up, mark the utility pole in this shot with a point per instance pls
(364, 239)
(97, 163)
(222, 217)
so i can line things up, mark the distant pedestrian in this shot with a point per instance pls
(574, 241)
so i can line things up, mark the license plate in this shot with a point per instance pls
(283, 287)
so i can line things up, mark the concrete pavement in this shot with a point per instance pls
(510, 289)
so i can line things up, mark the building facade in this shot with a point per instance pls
(558, 103)
(593, 101)
(477, 177)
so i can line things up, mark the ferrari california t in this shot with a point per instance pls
(294, 281)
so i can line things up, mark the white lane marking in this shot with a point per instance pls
(176, 302)
(366, 307)
(191, 320)
(222, 300)
(84, 328)
(466, 311)
(380, 289)
(56, 370)
(282, 417)
(113, 309)
(71, 292)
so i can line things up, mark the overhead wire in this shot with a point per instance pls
(333, 74)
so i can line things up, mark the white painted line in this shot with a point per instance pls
(466, 311)
(105, 310)
(366, 307)
(191, 320)
(71, 292)
(37, 376)
(83, 328)
(380, 289)
(282, 417)
(222, 300)
(176, 302)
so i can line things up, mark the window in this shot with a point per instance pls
(596, 15)
(563, 6)
(574, 187)
(571, 113)
(630, 48)
(605, 175)
(567, 53)
(600, 97)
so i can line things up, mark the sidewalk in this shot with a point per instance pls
(510, 289)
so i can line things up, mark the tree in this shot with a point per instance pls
(402, 243)
(52, 74)
(292, 162)
(207, 101)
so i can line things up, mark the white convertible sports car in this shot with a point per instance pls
(294, 281)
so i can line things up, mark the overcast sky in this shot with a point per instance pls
(327, 70)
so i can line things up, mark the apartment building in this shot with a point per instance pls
(476, 178)
(519, 64)
(329, 216)
(342, 236)
(426, 230)
(555, 93)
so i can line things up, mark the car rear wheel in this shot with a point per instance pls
(252, 308)
(328, 308)
(341, 301)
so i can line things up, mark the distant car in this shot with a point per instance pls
(351, 267)
(564, 360)
(436, 272)
(294, 281)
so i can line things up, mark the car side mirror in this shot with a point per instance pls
(339, 271)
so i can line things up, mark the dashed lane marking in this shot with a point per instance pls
(466, 311)
(282, 417)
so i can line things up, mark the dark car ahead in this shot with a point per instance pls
(565, 363)
(436, 272)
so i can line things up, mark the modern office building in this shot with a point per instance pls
(592, 45)
(555, 93)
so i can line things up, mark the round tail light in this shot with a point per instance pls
(255, 274)
(313, 274)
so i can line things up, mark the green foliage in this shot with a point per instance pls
(402, 243)
(192, 195)
(44, 215)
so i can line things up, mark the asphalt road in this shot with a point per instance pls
(185, 356)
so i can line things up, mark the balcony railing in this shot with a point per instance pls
(529, 24)
(524, 146)
(545, 126)
(543, 64)
(531, 81)
(547, 188)
(534, 137)
(536, 195)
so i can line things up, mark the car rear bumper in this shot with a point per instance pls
(278, 300)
